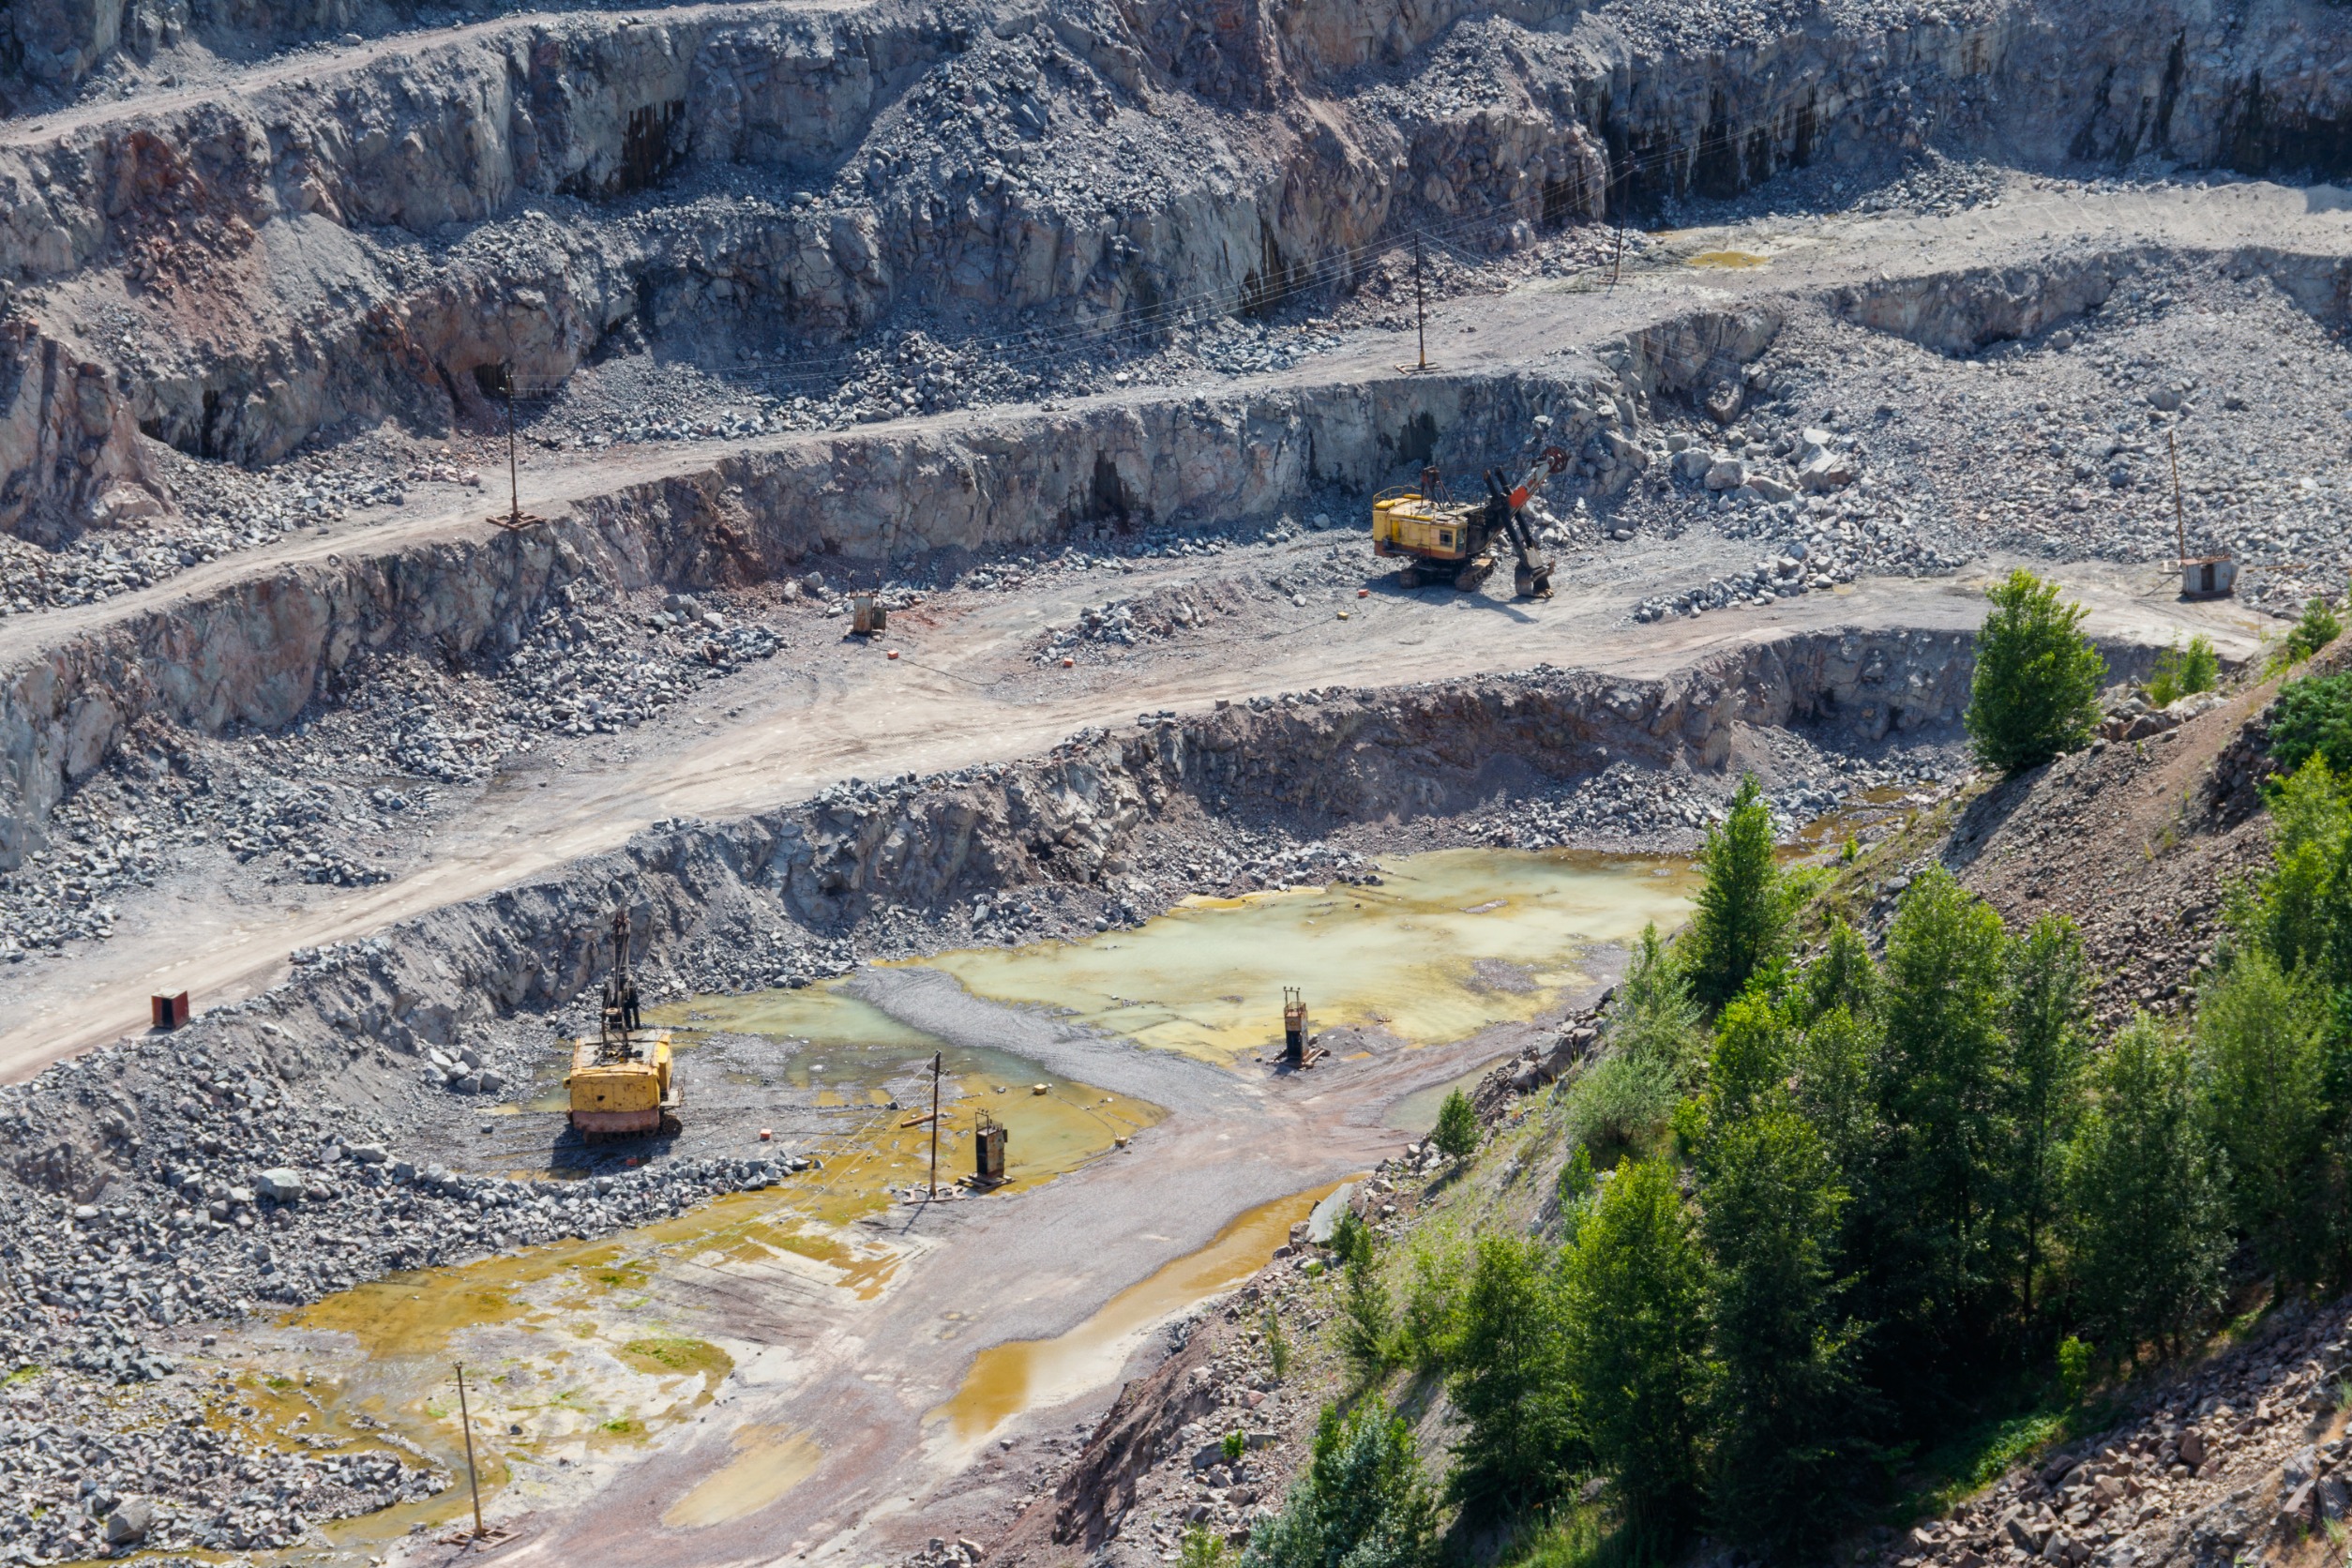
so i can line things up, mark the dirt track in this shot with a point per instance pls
(963, 692)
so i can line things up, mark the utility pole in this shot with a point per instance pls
(514, 489)
(2179, 512)
(1421, 319)
(1618, 267)
(465, 1418)
(935, 1068)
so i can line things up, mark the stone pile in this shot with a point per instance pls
(312, 804)
(2226, 1462)
(175, 1470)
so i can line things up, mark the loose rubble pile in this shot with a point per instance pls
(2243, 1457)
(175, 1469)
(336, 799)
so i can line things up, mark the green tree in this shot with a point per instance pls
(1653, 1018)
(1784, 1400)
(1431, 1316)
(1635, 1333)
(1650, 1059)
(1361, 1504)
(1367, 1324)
(2049, 986)
(1740, 921)
(2036, 688)
(2184, 672)
(2293, 911)
(1842, 976)
(1750, 1058)
(2146, 1228)
(1507, 1385)
(2316, 629)
(1457, 1129)
(1351, 1238)
(1940, 1083)
(1831, 1083)
(2314, 718)
(2259, 1046)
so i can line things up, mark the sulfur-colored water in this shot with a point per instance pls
(768, 1462)
(582, 1348)
(1028, 1374)
(1454, 941)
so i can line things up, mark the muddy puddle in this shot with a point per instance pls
(1451, 942)
(579, 1355)
(1031, 1374)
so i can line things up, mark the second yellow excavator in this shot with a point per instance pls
(1443, 539)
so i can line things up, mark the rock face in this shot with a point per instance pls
(810, 173)
(255, 652)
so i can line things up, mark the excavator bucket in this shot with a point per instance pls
(1534, 582)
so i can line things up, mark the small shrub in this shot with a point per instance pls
(1457, 1129)
(2073, 1368)
(2184, 672)
(2313, 717)
(2316, 628)
(1278, 1347)
(1577, 1179)
(1432, 1316)
(1236, 1443)
(2036, 690)
(1352, 1240)
(1203, 1549)
(1623, 1105)
(1367, 1325)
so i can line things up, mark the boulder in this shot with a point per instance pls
(2193, 1450)
(1725, 473)
(284, 1185)
(130, 1522)
(1823, 470)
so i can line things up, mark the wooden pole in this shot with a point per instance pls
(514, 489)
(2179, 512)
(1421, 319)
(935, 1063)
(465, 1418)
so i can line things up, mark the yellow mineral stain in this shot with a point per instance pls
(1030, 1373)
(768, 1462)
(1730, 260)
(1454, 941)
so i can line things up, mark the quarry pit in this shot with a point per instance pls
(1079, 338)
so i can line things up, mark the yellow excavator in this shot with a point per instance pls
(1443, 539)
(621, 1084)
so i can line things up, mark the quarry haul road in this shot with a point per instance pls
(934, 709)
(955, 700)
(1524, 324)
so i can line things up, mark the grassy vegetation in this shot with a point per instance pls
(677, 1355)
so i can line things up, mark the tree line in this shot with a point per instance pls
(1820, 1208)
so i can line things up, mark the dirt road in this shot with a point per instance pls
(965, 690)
